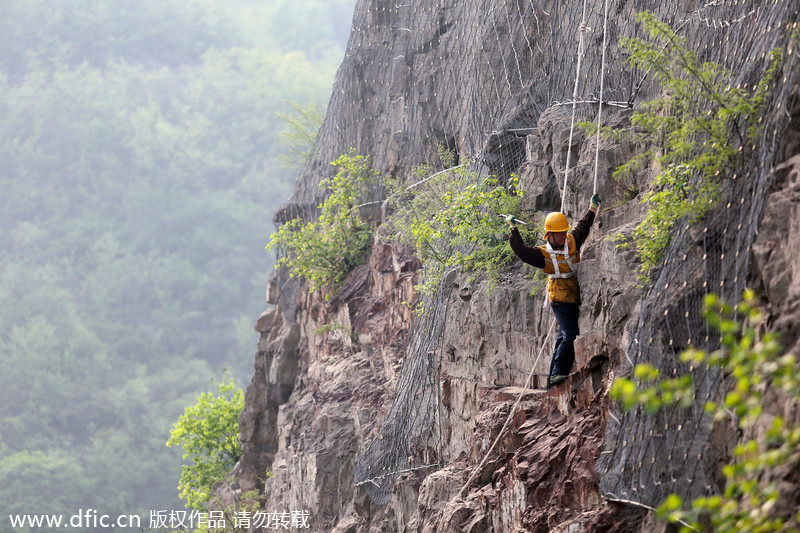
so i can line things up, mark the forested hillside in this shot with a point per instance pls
(139, 169)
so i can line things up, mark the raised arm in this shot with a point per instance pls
(532, 256)
(581, 229)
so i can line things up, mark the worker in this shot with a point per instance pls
(557, 258)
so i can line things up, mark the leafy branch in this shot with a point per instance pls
(454, 220)
(209, 434)
(755, 364)
(692, 134)
(302, 126)
(325, 251)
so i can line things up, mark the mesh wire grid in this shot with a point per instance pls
(502, 64)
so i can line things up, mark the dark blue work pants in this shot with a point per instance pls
(564, 351)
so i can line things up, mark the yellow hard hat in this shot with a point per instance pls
(556, 222)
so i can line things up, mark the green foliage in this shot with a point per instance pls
(336, 329)
(139, 168)
(19, 476)
(539, 280)
(325, 251)
(675, 196)
(209, 434)
(300, 134)
(693, 134)
(755, 364)
(453, 219)
(664, 392)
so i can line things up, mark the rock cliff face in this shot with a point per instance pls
(486, 79)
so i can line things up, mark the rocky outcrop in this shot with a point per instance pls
(319, 380)
(777, 249)
(345, 355)
(486, 80)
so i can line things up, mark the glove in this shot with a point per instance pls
(595, 201)
(511, 221)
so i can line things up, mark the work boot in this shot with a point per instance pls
(555, 379)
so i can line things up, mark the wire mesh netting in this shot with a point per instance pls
(410, 437)
(678, 451)
(475, 77)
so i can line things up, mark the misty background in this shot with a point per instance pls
(139, 170)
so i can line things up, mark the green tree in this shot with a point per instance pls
(209, 434)
(300, 134)
(324, 251)
(695, 134)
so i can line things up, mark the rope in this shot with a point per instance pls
(638, 86)
(611, 498)
(591, 100)
(408, 188)
(600, 106)
(420, 182)
(403, 471)
(582, 29)
(510, 415)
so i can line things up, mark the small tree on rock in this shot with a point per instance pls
(209, 434)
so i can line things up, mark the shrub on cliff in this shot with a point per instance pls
(695, 133)
(324, 251)
(209, 434)
(756, 366)
(300, 133)
(454, 219)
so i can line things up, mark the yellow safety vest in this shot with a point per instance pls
(559, 264)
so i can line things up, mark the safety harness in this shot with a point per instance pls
(566, 258)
